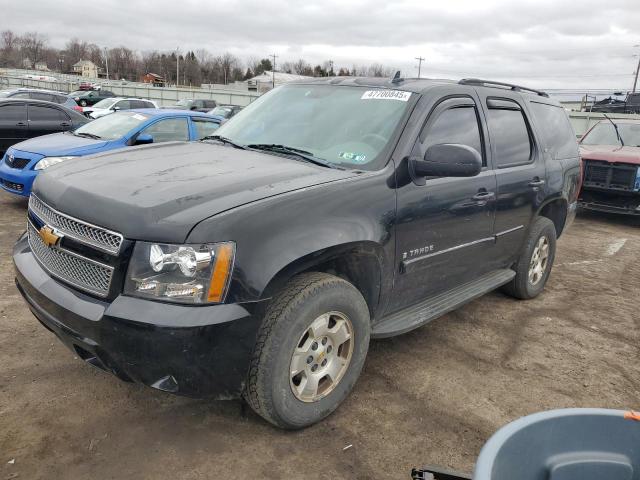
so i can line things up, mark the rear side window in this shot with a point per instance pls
(169, 130)
(46, 114)
(41, 96)
(510, 136)
(556, 130)
(456, 125)
(204, 128)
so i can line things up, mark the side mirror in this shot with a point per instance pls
(115, 109)
(144, 139)
(446, 160)
(193, 107)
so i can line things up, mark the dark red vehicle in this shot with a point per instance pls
(611, 164)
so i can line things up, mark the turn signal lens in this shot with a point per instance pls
(221, 272)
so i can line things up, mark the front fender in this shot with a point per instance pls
(276, 232)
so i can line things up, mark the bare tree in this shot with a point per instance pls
(33, 44)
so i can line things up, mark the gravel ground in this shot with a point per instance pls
(432, 396)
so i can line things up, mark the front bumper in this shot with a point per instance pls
(610, 202)
(19, 181)
(197, 351)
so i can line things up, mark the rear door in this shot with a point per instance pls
(519, 166)
(13, 124)
(44, 119)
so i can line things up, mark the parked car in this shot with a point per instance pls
(90, 97)
(261, 261)
(24, 161)
(21, 119)
(224, 112)
(610, 153)
(37, 94)
(196, 104)
(631, 104)
(110, 105)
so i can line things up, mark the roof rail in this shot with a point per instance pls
(491, 83)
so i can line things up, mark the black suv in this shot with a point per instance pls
(260, 261)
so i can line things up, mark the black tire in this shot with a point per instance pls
(521, 286)
(269, 390)
(83, 103)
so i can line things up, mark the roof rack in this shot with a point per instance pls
(510, 86)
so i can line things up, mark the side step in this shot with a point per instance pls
(434, 307)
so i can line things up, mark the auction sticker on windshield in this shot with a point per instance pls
(386, 95)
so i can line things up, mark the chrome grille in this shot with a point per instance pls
(84, 232)
(81, 272)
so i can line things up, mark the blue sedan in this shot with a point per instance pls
(22, 162)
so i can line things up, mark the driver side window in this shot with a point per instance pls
(168, 130)
(455, 125)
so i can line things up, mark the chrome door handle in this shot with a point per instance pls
(536, 183)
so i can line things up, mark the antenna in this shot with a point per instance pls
(396, 78)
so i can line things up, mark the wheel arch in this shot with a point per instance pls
(360, 263)
(556, 210)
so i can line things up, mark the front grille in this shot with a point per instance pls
(14, 162)
(610, 176)
(83, 232)
(18, 187)
(80, 272)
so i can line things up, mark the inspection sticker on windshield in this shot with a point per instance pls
(386, 95)
(353, 157)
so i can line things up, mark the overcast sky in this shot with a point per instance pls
(543, 43)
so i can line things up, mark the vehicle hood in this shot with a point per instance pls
(611, 153)
(160, 192)
(60, 144)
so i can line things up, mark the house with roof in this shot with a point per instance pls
(154, 79)
(86, 68)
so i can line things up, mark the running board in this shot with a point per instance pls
(434, 307)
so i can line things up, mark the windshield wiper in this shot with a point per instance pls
(87, 135)
(303, 154)
(616, 127)
(224, 140)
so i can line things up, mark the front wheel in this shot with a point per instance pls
(534, 265)
(310, 351)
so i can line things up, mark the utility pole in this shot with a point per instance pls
(420, 60)
(635, 81)
(273, 70)
(330, 68)
(106, 61)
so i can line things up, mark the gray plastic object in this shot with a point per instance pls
(570, 444)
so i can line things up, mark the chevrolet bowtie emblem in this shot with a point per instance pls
(48, 236)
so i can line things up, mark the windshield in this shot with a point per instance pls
(222, 111)
(112, 126)
(106, 103)
(5, 93)
(184, 103)
(605, 134)
(344, 125)
(77, 93)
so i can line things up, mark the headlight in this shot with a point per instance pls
(46, 162)
(180, 273)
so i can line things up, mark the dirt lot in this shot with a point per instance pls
(432, 396)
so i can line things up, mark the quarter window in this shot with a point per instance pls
(456, 125)
(510, 137)
(556, 130)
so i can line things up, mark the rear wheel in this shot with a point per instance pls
(536, 260)
(310, 351)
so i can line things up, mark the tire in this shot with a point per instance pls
(83, 103)
(525, 286)
(288, 327)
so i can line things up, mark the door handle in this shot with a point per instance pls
(536, 182)
(21, 124)
(484, 196)
(65, 124)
